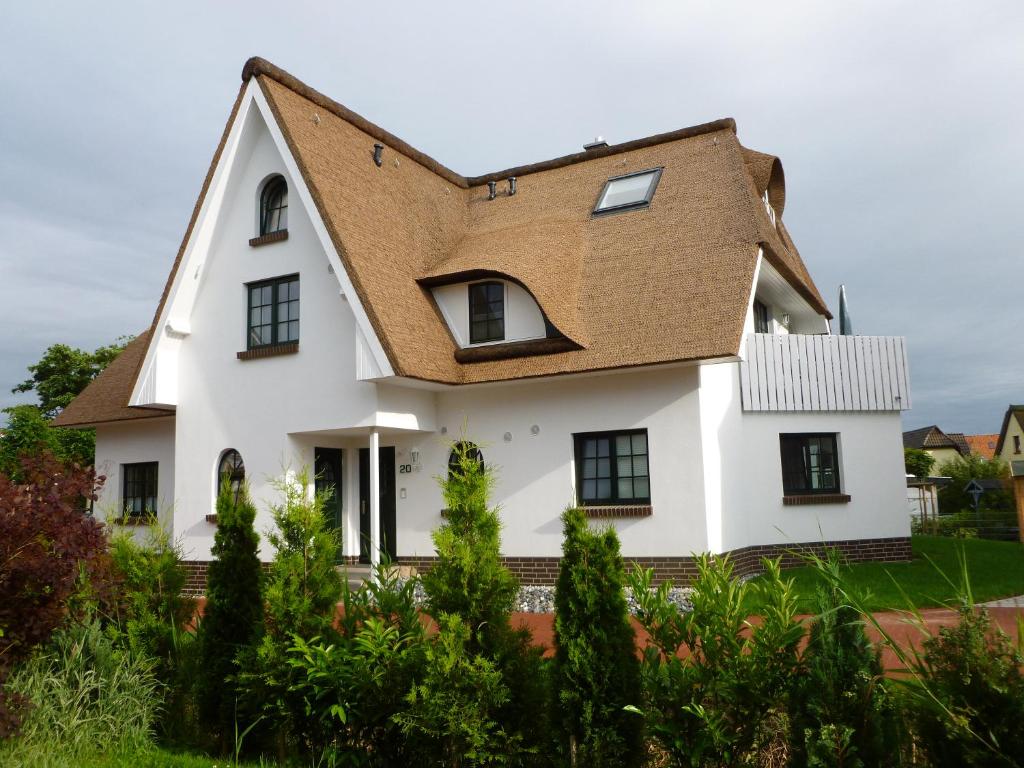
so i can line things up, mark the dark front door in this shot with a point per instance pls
(327, 466)
(387, 503)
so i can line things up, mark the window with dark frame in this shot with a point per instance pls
(139, 489)
(486, 312)
(628, 192)
(274, 206)
(1016, 443)
(273, 313)
(471, 452)
(810, 463)
(762, 320)
(231, 470)
(612, 468)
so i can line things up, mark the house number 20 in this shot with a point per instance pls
(404, 469)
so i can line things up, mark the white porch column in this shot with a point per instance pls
(374, 500)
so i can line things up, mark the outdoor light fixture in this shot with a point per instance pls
(414, 455)
(785, 320)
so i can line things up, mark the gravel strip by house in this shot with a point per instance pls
(541, 599)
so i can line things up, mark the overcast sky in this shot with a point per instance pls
(899, 126)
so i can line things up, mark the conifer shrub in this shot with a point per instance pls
(843, 711)
(301, 592)
(715, 684)
(470, 582)
(233, 616)
(596, 671)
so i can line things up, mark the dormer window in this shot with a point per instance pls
(274, 207)
(625, 193)
(486, 312)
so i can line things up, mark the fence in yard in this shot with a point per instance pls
(984, 526)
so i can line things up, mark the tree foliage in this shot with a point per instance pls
(953, 498)
(29, 434)
(64, 371)
(233, 615)
(918, 462)
(49, 551)
(596, 672)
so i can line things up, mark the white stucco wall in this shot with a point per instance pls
(131, 443)
(871, 471)
(523, 317)
(535, 474)
(254, 406)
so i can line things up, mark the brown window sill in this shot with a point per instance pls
(816, 498)
(272, 350)
(619, 510)
(134, 520)
(273, 237)
(211, 519)
(514, 349)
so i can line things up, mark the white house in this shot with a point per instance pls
(629, 328)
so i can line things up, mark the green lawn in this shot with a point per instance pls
(996, 569)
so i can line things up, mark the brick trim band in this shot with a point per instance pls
(816, 498)
(273, 350)
(680, 570)
(619, 510)
(273, 237)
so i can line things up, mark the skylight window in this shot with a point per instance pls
(624, 193)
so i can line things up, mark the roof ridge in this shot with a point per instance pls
(257, 65)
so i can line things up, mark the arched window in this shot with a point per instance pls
(467, 449)
(274, 206)
(231, 469)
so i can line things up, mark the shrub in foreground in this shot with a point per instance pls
(969, 705)
(49, 551)
(470, 582)
(843, 712)
(301, 594)
(233, 615)
(596, 671)
(715, 684)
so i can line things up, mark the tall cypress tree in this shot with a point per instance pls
(597, 672)
(233, 617)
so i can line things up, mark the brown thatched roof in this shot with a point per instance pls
(106, 398)
(664, 284)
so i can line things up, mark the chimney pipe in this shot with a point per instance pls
(597, 143)
(378, 151)
(511, 185)
(492, 190)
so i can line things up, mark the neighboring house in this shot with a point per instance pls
(942, 446)
(982, 445)
(1010, 445)
(629, 328)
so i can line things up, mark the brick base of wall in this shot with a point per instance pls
(680, 570)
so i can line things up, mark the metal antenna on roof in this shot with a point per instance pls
(511, 185)
(378, 152)
(492, 190)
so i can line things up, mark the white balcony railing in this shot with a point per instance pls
(796, 372)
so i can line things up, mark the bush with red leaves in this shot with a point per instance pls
(49, 550)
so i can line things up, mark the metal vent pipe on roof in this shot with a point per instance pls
(492, 190)
(511, 185)
(597, 143)
(378, 152)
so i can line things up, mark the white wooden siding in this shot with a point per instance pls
(794, 372)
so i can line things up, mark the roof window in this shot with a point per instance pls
(624, 193)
